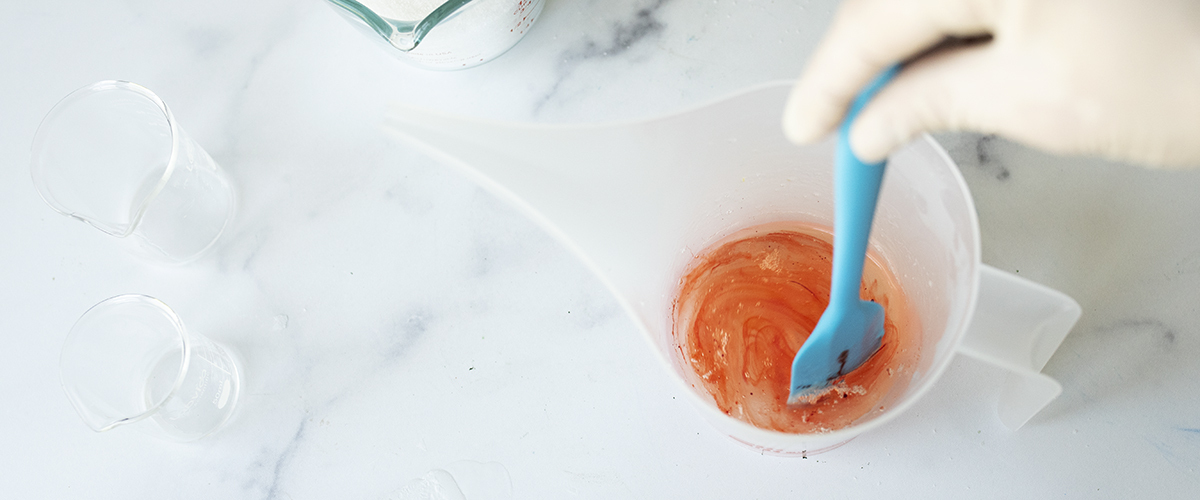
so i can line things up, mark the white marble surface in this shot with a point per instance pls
(394, 318)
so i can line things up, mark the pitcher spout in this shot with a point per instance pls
(402, 25)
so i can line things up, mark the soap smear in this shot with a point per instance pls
(747, 304)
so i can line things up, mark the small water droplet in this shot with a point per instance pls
(436, 484)
(462, 480)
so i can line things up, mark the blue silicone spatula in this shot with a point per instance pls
(850, 330)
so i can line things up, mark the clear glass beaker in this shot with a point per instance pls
(443, 34)
(130, 358)
(112, 155)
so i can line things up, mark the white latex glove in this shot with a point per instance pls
(1115, 78)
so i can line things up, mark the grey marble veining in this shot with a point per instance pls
(642, 28)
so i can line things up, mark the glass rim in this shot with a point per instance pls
(117, 301)
(64, 105)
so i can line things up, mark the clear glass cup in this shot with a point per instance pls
(130, 358)
(112, 155)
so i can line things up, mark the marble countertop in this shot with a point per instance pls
(394, 318)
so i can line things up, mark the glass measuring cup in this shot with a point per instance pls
(443, 34)
(130, 358)
(112, 155)
(637, 201)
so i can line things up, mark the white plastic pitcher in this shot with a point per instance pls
(637, 201)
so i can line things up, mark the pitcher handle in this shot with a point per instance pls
(1017, 326)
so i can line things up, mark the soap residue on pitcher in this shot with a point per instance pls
(746, 306)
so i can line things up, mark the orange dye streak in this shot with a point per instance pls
(747, 305)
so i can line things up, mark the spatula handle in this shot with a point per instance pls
(856, 190)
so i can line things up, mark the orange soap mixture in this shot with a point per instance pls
(748, 304)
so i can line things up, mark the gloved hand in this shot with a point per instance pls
(1115, 78)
